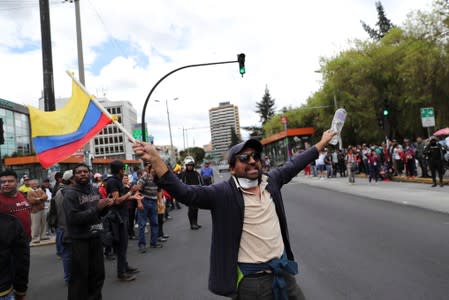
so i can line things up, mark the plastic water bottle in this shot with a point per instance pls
(337, 124)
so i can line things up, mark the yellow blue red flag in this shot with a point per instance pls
(58, 134)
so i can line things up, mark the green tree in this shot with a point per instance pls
(235, 138)
(266, 107)
(255, 132)
(383, 24)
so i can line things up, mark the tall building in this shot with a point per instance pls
(223, 119)
(111, 142)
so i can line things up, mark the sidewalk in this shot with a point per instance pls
(407, 193)
(51, 241)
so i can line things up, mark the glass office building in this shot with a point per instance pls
(16, 128)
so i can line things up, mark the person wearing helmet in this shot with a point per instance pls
(435, 153)
(192, 177)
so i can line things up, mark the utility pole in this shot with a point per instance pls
(47, 61)
(79, 42)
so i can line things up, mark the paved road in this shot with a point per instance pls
(348, 246)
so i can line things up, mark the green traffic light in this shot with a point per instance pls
(386, 112)
(242, 70)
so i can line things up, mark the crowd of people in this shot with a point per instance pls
(92, 218)
(426, 158)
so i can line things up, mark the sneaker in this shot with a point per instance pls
(142, 249)
(194, 227)
(131, 270)
(126, 277)
(156, 245)
(45, 238)
(434, 185)
(161, 239)
(165, 236)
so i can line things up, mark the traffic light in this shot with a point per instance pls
(241, 60)
(2, 133)
(386, 110)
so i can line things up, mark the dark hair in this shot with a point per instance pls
(78, 166)
(58, 175)
(8, 172)
(116, 166)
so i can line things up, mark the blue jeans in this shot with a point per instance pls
(58, 240)
(149, 210)
(65, 252)
(10, 296)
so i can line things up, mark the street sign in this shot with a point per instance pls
(427, 117)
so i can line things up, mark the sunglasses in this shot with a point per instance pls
(245, 157)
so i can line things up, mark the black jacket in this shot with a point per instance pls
(82, 216)
(225, 201)
(14, 255)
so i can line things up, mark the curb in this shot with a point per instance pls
(409, 179)
(51, 241)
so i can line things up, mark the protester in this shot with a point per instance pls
(63, 240)
(421, 157)
(132, 205)
(37, 198)
(116, 190)
(191, 176)
(14, 259)
(207, 174)
(250, 249)
(83, 207)
(161, 208)
(147, 207)
(25, 187)
(13, 202)
(435, 152)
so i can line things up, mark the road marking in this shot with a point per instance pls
(404, 202)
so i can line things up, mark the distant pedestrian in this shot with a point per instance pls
(207, 174)
(351, 164)
(63, 240)
(37, 198)
(190, 176)
(147, 208)
(117, 191)
(435, 152)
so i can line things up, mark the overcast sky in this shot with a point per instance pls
(129, 45)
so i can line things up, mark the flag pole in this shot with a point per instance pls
(120, 126)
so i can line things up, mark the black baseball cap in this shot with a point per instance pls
(236, 149)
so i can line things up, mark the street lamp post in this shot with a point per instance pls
(169, 129)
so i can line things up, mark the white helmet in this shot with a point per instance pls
(189, 161)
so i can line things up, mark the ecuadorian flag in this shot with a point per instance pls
(58, 134)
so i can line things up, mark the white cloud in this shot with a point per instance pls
(283, 41)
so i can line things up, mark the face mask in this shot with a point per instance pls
(247, 183)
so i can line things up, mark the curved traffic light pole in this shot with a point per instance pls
(168, 74)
